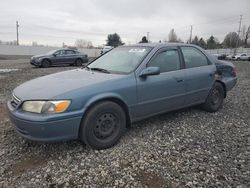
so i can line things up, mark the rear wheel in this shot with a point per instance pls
(45, 63)
(215, 98)
(78, 62)
(103, 125)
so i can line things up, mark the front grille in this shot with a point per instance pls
(15, 101)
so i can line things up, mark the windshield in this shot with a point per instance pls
(51, 52)
(121, 59)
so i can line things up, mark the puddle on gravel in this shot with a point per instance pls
(28, 164)
(150, 179)
(7, 70)
(3, 111)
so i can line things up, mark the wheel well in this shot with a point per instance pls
(224, 87)
(117, 101)
(47, 60)
(78, 59)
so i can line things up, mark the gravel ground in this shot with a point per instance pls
(186, 148)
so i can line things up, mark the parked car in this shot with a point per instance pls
(220, 56)
(59, 57)
(106, 49)
(97, 103)
(229, 57)
(239, 56)
(245, 57)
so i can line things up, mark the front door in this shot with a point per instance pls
(60, 57)
(163, 92)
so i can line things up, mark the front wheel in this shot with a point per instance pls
(103, 125)
(215, 98)
(45, 63)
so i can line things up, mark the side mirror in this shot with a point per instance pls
(150, 71)
(54, 55)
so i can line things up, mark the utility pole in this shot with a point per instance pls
(148, 36)
(237, 43)
(191, 30)
(17, 34)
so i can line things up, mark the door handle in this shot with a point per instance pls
(178, 79)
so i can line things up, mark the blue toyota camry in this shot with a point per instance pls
(98, 102)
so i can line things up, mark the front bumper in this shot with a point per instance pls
(45, 128)
(35, 62)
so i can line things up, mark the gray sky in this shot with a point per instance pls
(53, 22)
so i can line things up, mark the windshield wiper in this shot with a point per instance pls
(98, 69)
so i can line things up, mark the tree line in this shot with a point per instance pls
(231, 40)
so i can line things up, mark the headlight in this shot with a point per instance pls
(46, 106)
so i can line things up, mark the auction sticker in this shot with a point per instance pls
(136, 50)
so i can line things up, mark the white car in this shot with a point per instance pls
(106, 49)
(243, 56)
(229, 57)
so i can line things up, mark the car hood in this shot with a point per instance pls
(39, 56)
(50, 86)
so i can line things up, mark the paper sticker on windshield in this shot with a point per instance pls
(138, 50)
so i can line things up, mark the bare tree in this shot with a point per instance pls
(246, 36)
(231, 39)
(89, 44)
(81, 43)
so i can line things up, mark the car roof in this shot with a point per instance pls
(67, 49)
(165, 44)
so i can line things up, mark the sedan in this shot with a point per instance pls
(240, 57)
(97, 103)
(245, 57)
(59, 57)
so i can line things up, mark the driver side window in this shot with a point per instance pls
(167, 61)
(60, 52)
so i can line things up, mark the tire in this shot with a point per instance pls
(103, 125)
(78, 62)
(215, 98)
(45, 63)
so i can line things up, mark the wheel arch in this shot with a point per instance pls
(78, 58)
(47, 59)
(224, 87)
(112, 98)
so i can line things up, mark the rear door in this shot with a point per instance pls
(200, 73)
(163, 92)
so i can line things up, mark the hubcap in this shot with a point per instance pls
(78, 62)
(215, 96)
(105, 125)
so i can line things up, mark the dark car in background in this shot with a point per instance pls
(59, 57)
(220, 56)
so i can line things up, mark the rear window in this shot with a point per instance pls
(193, 57)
